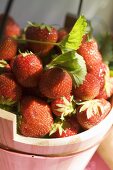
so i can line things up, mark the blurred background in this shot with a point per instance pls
(100, 12)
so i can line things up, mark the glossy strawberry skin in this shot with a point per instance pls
(8, 49)
(88, 90)
(62, 33)
(91, 55)
(39, 34)
(9, 89)
(27, 69)
(36, 117)
(55, 83)
(104, 70)
(96, 118)
(11, 27)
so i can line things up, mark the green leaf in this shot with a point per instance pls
(73, 40)
(73, 63)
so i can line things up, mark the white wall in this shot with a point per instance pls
(54, 11)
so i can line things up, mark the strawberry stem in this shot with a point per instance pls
(34, 41)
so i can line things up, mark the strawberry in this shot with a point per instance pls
(68, 127)
(55, 83)
(11, 27)
(89, 51)
(88, 90)
(41, 32)
(92, 112)
(62, 33)
(27, 68)
(8, 48)
(105, 83)
(10, 91)
(63, 106)
(36, 119)
(85, 39)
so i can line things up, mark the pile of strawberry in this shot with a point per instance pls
(54, 80)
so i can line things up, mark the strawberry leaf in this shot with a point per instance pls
(73, 63)
(73, 40)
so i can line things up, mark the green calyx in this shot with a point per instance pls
(91, 107)
(58, 126)
(8, 102)
(3, 63)
(67, 108)
(41, 26)
(25, 53)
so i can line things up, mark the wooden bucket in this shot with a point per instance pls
(71, 152)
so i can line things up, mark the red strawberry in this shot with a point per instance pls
(41, 32)
(105, 82)
(91, 112)
(85, 39)
(68, 127)
(11, 27)
(36, 119)
(88, 90)
(63, 106)
(8, 48)
(62, 33)
(27, 68)
(89, 51)
(10, 91)
(55, 83)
